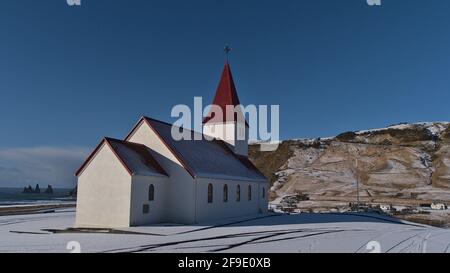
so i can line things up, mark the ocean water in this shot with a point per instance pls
(14, 196)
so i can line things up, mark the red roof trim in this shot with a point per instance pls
(89, 158)
(135, 127)
(94, 153)
(171, 149)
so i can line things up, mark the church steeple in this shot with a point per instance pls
(226, 94)
(230, 127)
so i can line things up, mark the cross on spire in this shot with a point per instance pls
(227, 49)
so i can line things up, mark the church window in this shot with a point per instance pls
(225, 193)
(249, 193)
(210, 193)
(151, 193)
(238, 193)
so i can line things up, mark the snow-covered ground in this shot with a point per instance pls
(273, 233)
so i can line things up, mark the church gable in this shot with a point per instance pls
(134, 158)
(103, 157)
(144, 133)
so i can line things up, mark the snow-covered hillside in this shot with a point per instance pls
(406, 163)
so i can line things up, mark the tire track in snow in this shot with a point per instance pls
(447, 248)
(379, 236)
(403, 241)
(228, 224)
(226, 236)
(255, 240)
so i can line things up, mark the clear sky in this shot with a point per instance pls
(70, 75)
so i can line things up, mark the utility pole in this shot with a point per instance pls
(357, 183)
(357, 180)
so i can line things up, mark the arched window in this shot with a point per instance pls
(264, 193)
(210, 193)
(249, 193)
(151, 193)
(225, 193)
(238, 193)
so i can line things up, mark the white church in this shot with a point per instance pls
(149, 177)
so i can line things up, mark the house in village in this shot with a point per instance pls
(149, 177)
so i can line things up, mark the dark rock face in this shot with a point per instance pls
(37, 189)
(347, 136)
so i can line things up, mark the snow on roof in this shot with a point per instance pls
(136, 158)
(207, 159)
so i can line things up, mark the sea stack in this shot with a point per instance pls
(37, 189)
(49, 189)
(28, 189)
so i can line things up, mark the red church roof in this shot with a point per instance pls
(225, 95)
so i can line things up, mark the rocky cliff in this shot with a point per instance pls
(407, 163)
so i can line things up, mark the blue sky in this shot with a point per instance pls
(70, 75)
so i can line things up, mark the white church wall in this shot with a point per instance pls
(180, 209)
(182, 194)
(104, 189)
(263, 197)
(219, 209)
(224, 131)
(157, 208)
(228, 132)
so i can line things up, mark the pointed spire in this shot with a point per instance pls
(225, 94)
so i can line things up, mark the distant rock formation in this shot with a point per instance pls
(49, 190)
(28, 189)
(37, 189)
